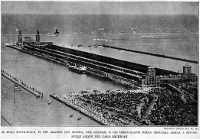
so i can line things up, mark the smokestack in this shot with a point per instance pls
(19, 36)
(38, 36)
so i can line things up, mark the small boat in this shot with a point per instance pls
(80, 45)
(56, 32)
(71, 115)
(78, 69)
(49, 102)
(79, 118)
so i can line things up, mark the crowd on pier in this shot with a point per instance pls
(90, 110)
(122, 101)
(114, 107)
(170, 109)
(125, 107)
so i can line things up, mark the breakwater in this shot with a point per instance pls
(152, 54)
(22, 84)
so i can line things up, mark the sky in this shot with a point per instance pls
(133, 8)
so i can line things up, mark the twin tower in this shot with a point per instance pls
(20, 39)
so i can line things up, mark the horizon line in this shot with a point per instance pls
(99, 14)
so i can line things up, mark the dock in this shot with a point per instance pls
(21, 84)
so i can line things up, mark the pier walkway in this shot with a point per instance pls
(21, 84)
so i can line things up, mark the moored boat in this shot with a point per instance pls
(77, 68)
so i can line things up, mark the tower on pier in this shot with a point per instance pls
(151, 80)
(38, 36)
(187, 69)
(19, 41)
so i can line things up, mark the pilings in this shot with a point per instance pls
(22, 84)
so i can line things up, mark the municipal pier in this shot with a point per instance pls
(147, 88)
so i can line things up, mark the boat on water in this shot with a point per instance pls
(49, 101)
(55, 34)
(77, 68)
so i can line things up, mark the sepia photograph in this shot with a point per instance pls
(99, 64)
